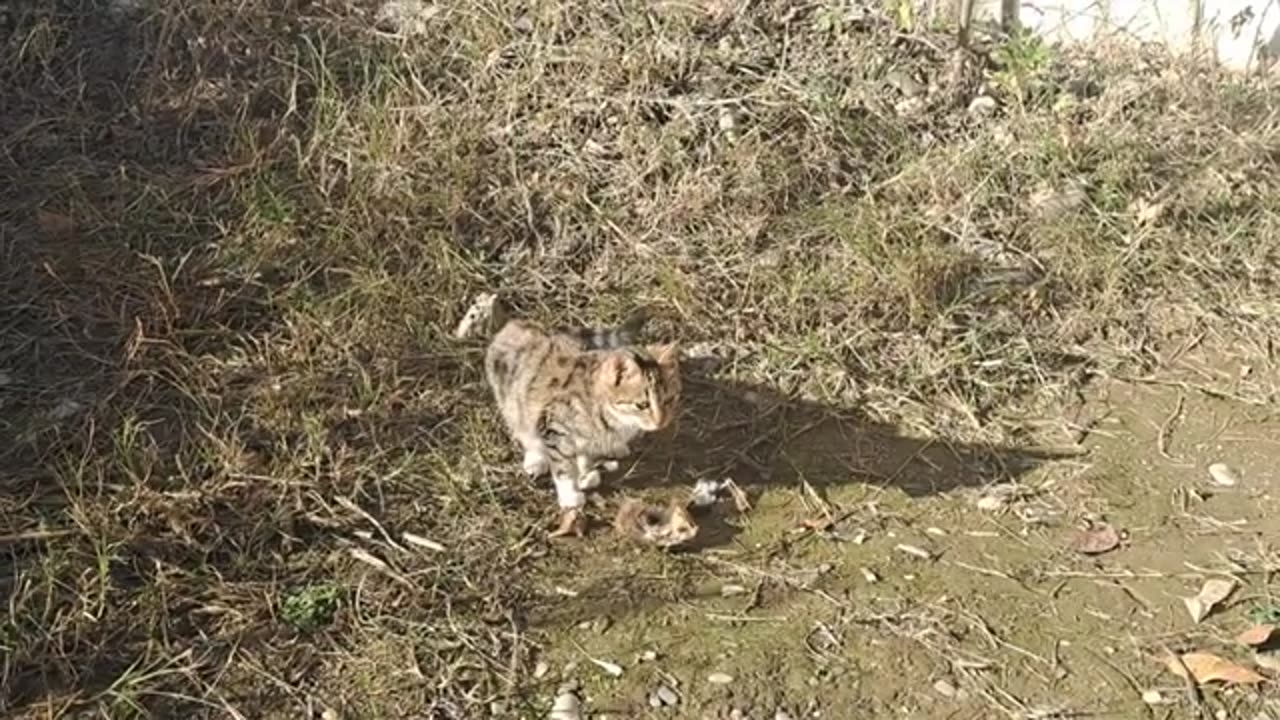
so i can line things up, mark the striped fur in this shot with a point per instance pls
(575, 400)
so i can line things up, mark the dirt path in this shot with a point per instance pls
(1004, 619)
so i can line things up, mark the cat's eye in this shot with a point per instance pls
(642, 405)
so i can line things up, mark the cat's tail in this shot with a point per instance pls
(608, 338)
(486, 316)
(489, 313)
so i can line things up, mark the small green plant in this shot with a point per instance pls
(1265, 615)
(312, 607)
(1023, 61)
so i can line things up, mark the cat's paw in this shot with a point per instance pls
(589, 481)
(536, 464)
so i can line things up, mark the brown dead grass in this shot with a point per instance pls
(235, 239)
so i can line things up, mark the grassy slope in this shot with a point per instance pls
(235, 242)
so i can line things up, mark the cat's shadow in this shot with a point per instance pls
(767, 442)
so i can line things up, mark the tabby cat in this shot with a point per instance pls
(575, 399)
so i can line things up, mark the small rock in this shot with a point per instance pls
(869, 576)
(540, 669)
(909, 107)
(404, 17)
(667, 696)
(1152, 697)
(566, 707)
(655, 702)
(719, 679)
(944, 688)
(991, 503)
(782, 715)
(1223, 475)
(983, 106)
(905, 84)
(737, 714)
(649, 655)
(731, 590)
(523, 24)
(1050, 201)
(728, 123)
(329, 714)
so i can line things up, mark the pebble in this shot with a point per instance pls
(782, 715)
(566, 707)
(731, 590)
(727, 121)
(405, 17)
(983, 106)
(991, 503)
(1223, 475)
(1152, 697)
(666, 696)
(540, 669)
(719, 679)
(945, 689)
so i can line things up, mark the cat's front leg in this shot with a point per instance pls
(571, 500)
(589, 474)
(535, 463)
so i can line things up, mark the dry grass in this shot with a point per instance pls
(235, 238)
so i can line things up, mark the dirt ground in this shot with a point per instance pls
(950, 316)
(1003, 619)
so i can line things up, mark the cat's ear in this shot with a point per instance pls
(617, 367)
(667, 355)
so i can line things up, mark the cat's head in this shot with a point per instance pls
(641, 386)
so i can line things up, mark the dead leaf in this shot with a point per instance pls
(1256, 635)
(1096, 540)
(1214, 591)
(1206, 667)
(1146, 211)
(818, 524)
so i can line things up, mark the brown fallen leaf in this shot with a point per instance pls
(1206, 667)
(1214, 591)
(817, 524)
(1096, 540)
(1256, 635)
